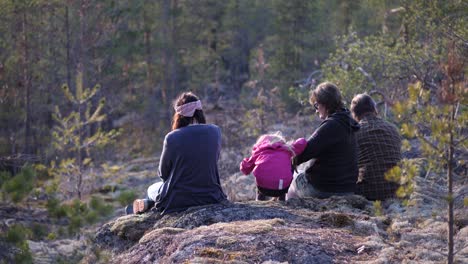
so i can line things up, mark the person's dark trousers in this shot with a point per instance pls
(263, 194)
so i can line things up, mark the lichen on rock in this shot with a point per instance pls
(332, 230)
(240, 233)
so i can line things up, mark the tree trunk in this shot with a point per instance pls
(67, 46)
(237, 66)
(81, 42)
(53, 70)
(165, 50)
(151, 87)
(149, 57)
(79, 159)
(81, 76)
(27, 84)
(172, 62)
(450, 222)
(214, 46)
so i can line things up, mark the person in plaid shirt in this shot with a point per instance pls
(379, 149)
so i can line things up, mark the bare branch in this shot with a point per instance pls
(368, 76)
(458, 251)
(457, 142)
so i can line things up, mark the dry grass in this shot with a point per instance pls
(336, 219)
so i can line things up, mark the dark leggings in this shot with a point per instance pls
(263, 194)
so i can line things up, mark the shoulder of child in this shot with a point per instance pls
(299, 145)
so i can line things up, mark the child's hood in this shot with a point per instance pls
(266, 145)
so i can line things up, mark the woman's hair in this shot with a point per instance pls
(178, 120)
(361, 105)
(274, 138)
(328, 95)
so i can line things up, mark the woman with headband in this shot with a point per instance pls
(188, 164)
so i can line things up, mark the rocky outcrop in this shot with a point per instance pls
(334, 230)
(297, 231)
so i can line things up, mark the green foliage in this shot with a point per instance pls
(51, 236)
(108, 188)
(52, 187)
(17, 187)
(98, 205)
(202, 46)
(55, 209)
(440, 125)
(290, 47)
(377, 208)
(265, 108)
(42, 172)
(91, 217)
(69, 133)
(25, 255)
(421, 115)
(38, 231)
(76, 213)
(378, 63)
(101, 255)
(126, 197)
(79, 213)
(434, 19)
(17, 235)
(109, 170)
(4, 177)
(450, 198)
(403, 174)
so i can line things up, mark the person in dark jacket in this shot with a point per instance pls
(188, 165)
(331, 151)
(379, 150)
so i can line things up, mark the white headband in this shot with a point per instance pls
(188, 109)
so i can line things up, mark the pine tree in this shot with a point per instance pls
(17, 187)
(440, 125)
(69, 133)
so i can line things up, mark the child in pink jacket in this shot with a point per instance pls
(271, 165)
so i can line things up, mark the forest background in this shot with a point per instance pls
(84, 82)
(143, 53)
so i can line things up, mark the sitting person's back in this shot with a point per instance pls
(189, 168)
(379, 149)
(188, 165)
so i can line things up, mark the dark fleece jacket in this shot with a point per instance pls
(189, 168)
(333, 146)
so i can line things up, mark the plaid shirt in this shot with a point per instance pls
(379, 149)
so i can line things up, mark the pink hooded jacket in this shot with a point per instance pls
(271, 163)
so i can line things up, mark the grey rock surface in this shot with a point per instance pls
(298, 231)
(334, 230)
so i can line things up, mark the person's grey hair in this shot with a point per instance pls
(329, 95)
(361, 105)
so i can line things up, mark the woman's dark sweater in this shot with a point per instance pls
(333, 145)
(189, 168)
